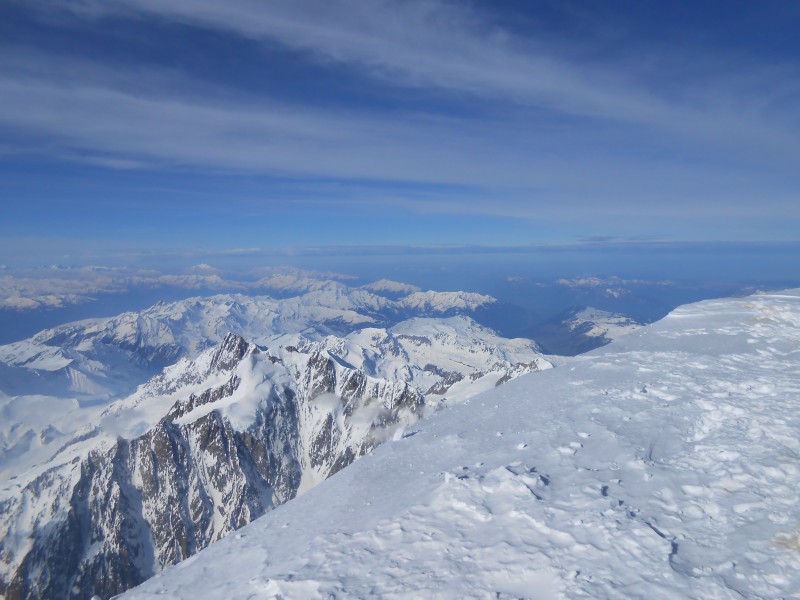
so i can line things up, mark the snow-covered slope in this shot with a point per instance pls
(581, 329)
(664, 465)
(448, 359)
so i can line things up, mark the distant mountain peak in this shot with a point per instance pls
(388, 286)
(447, 301)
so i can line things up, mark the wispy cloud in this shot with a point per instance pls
(457, 47)
(553, 138)
(593, 282)
(495, 157)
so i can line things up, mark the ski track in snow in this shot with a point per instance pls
(662, 466)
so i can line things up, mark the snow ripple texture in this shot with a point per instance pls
(662, 466)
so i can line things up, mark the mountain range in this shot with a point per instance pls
(130, 443)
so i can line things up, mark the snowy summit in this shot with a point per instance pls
(664, 465)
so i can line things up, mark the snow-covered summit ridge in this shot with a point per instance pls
(389, 286)
(443, 302)
(663, 465)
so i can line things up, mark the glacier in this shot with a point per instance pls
(664, 465)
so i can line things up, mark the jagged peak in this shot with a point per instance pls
(230, 352)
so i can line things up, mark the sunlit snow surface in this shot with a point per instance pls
(666, 465)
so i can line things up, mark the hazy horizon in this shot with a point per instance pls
(655, 276)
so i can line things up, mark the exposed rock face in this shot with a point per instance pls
(123, 512)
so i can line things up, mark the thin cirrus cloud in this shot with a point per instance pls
(714, 144)
(92, 109)
(436, 44)
(103, 121)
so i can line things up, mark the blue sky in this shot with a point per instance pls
(142, 126)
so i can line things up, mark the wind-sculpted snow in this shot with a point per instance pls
(125, 488)
(664, 465)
